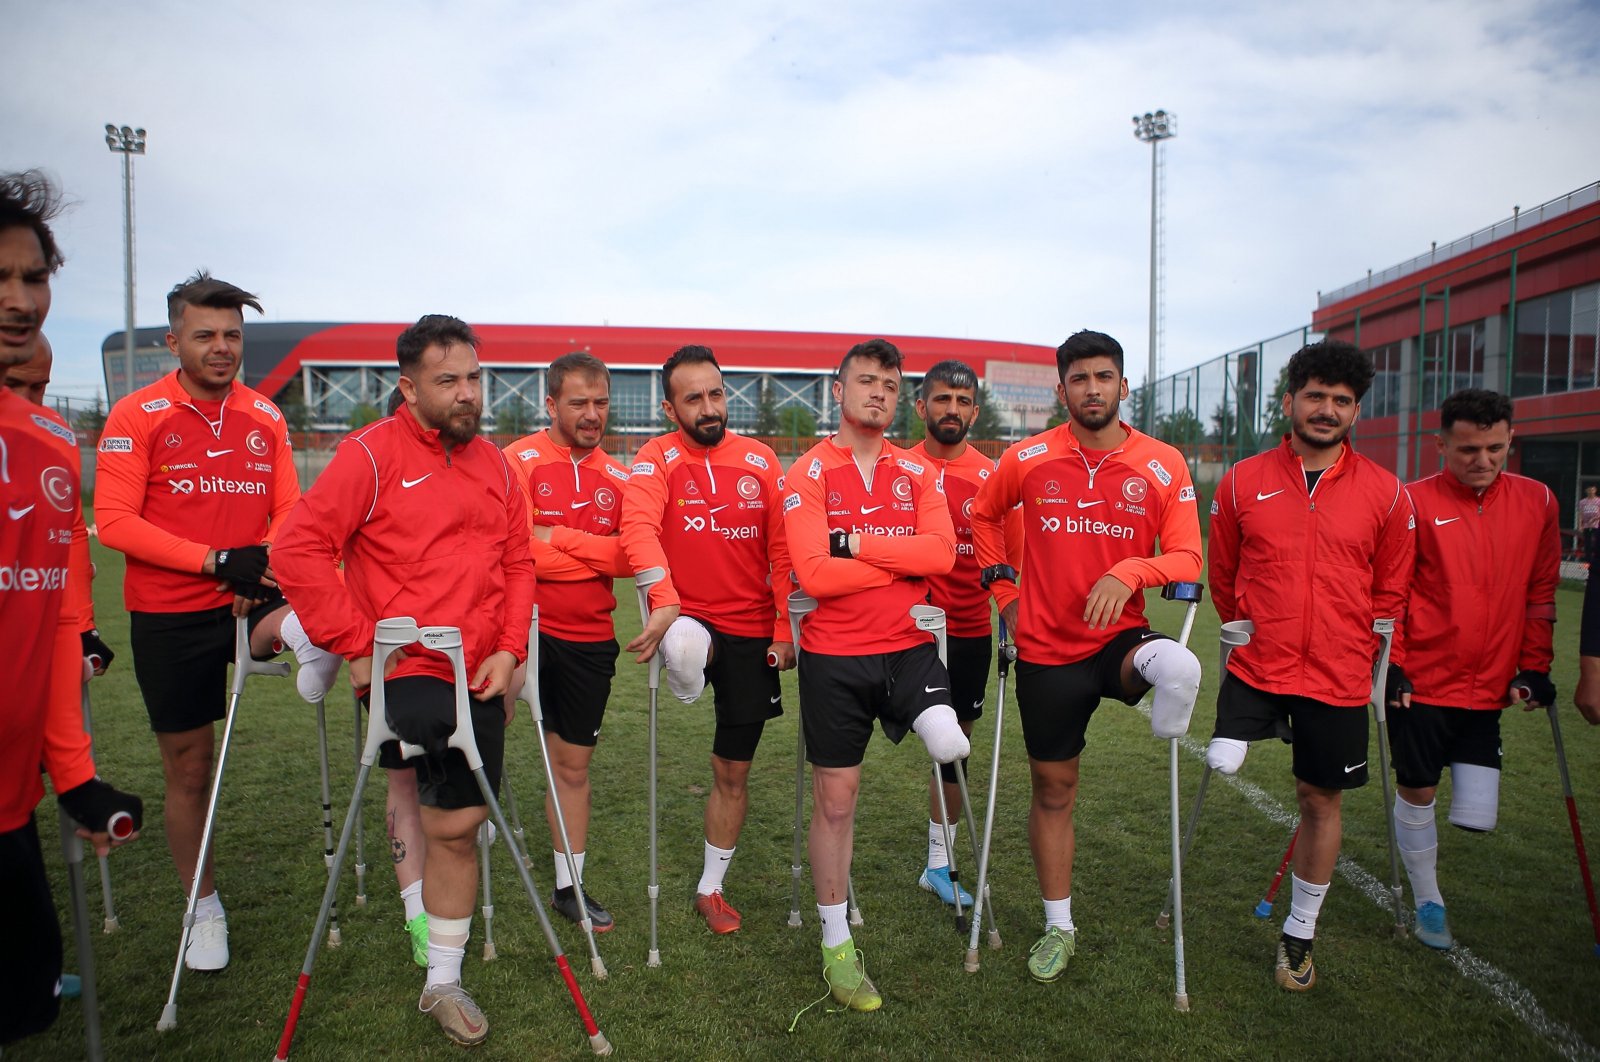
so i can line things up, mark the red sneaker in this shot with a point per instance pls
(718, 915)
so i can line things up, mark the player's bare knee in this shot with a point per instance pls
(1173, 673)
(1226, 754)
(941, 732)
(1475, 799)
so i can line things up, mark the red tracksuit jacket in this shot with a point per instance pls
(960, 593)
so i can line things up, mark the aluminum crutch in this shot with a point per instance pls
(244, 665)
(484, 840)
(1384, 628)
(327, 816)
(1006, 653)
(120, 827)
(111, 923)
(361, 830)
(642, 583)
(1191, 593)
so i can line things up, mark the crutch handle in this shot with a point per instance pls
(931, 618)
(245, 665)
(120, 826)
(801, 605)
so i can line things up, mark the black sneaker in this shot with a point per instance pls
(565, 902)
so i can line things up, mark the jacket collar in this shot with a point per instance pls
(172, 390)
(1340, 464)
(1074, 443)
(1467, 494)
(427, 437)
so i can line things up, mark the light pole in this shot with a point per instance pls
(127, 142)
(1153, 128)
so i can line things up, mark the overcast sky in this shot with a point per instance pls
(930, 168)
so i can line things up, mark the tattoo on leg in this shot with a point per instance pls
(396, 845)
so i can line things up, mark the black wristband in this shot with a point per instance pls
(997, 573)
(94, 648)
(839, 544)
(1540, 689)
(243, 566)
(99, 808)
(1396, 685)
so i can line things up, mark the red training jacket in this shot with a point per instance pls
(961, 593)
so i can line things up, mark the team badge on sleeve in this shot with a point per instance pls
(644, 468)
(267, 408)
(1186, 494)
(64, 434)
(1214, 507)
(910, 466)
(617, 472)
(757, 460)
(116, 444)
(155, 406)
(815, 471)
(791, 502)
(1162, 474)
(1032, 451)
(671, 454)
(527, 455)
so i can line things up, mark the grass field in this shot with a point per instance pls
(1524, 986)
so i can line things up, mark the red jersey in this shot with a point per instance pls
(712, 518)
(438, 535)
(39, 491)
(175, 481)
(961, 593)
(1085, 516)
(1483, 589)
(1311, 569)
(898, 509)
(580, 500)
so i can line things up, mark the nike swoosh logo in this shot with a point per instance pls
(1357, 767)
(409, 483)
(778, 698)
(217, 453)
(18, 514)
(934, 689)
(718, 509)
(978, 703)
(579, 505)
(869, 509)
(1084, 505)
(1440, 523)
(1264, 497)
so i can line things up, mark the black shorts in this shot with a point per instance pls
(969, 674)
(1427, 737)
(30, 978)
(574, 686)
(181, 659)
(1055, 701)
(747, 692)
(1329, 741)
(840, 696)
(422, 710)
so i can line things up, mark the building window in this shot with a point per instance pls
(635, 396)
(1456, 365)
(1384, 398)
(1556, 343)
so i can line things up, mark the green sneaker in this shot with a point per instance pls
(418, 928)
(1047, 959)
(847, 978)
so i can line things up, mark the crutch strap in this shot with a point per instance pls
(101, 808)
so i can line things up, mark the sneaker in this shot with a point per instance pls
(1295, 971)
(208, 943)
(847, 978)
(937, 881)
(565, 902)
(684, 651)
(720, 917)
(1047, 959)
(455, 1012)
(1432, 929)
(418, 928)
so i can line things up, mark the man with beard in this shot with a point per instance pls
(574, 497)
(1312, 543)
(702, 503)
(867, 525)
(1097, 499)
(948, 405)
(430, 523)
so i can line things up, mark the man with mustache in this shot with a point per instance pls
(948, 406)
(1097, 499)
(703, 503)
(1312, 543)
(194, 479)
(430, 523)
(574, 497)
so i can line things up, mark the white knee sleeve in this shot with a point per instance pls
(1475, 803)
(1226, 754)
(1416, 831)
(940, 730)
(1174, 676)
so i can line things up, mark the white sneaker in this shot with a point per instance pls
(684, 649)
(208, 943)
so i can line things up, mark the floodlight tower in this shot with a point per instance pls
(1153, 128)
(127, 142)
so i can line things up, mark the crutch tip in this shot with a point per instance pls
(1400, 932)
(599, 1043)
(654, 959)
(970, 963)
(597, 968)
(334, 938)
(489, 953)
(1263, 909)
(111, 926)
(994, 940)
(1163, 921)
(856, 919)
(962, 924)
(795, 923)
(361, 900)
(169, 1018)
(1180, 1002)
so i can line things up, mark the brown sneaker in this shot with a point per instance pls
(718, 915)
(455, 1012)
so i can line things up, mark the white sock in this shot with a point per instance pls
(447, 944)
(941, 732)
(1303, 909)
(1058, 913)
(716, 867)
(1418, 838)
(937, 856)
(835, 924)
(209, 907)
(563, 876)
(318, 668)
(1174, 676)
(684, 651)
(411, 896)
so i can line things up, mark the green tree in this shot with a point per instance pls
(797, 422)
(92, 421)
(988, 425)
(364, 414)
(291, 400)
(1058, 415)
(905, 414)
(767, 422)
(1277, 423)
(1133, 410)
(1180, 428)
(512, 418)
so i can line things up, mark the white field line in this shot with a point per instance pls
(1500, 985)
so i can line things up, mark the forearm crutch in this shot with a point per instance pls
(484, 839)
(111, 924)
(1384, 628)
(1577, 830)
(642, 583)
(327, 816)
(1190, 593)
(361, 830)
(530, 693)
(516, 824)
(72, 851)
(1007, 652)
(392, 635)
(244, 665)
(1234, 634)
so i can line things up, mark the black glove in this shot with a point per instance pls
(1396, 686)
(1537, 684)
(99, 808)
(997, 573)
(839, 544)
(94, 647)
(243, 566)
